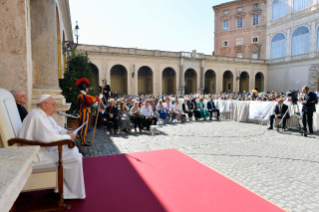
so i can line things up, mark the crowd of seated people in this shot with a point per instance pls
(146, 110)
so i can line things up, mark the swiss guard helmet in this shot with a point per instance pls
(82, 83)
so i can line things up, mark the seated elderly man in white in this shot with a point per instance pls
(169, 109)
(40, 126)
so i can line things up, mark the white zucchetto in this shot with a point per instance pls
(43, 97)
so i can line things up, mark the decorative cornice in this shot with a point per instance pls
(225, 17)
(255, 11)
(235, 4)
(239, 48)
(254, 46)
(240, 14)
(224, 51)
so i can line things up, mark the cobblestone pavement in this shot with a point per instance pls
(283, 168)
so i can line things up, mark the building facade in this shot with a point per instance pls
(240, 29)
(288, 34)
(31, 48)
(137, 71)
(292, 42)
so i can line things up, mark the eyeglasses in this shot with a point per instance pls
(53, 105)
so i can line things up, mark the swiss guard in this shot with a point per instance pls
(84, 102)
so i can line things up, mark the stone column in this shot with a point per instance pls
(181, 76)
(44, 44)
(288, 44)
(202, 76)
(45, 54)
(312, 39)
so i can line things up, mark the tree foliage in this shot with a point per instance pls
(78, 66)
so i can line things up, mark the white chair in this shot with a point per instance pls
(49, 176)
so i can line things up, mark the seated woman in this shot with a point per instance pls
(194, 108)
(161, 110)
(187, 110)
(202, 111)
(177, 110)
(124, 118)
(135, 113)
(148, 114)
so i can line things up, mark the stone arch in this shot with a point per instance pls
(259, 82)
(210, 81)
(59, 45)
(95, 72)
(145, 80)
(228, 82)
(118, 75)
(244, 81)
(190, 77)
(169, 81)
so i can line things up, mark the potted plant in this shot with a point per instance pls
(78, 66)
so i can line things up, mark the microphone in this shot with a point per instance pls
(60, 113)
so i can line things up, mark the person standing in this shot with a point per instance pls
(20, 98)
(84, 102)
(308, 102)
(106, 90)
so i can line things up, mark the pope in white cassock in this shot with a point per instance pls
(40, 126)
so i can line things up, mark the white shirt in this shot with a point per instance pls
(177, 108)
(168, 106)
(145, 113)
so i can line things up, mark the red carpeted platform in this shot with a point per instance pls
(165, 180)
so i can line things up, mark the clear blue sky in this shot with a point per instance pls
(171, 25)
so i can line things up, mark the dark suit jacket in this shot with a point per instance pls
(210, 105)
(184, 108)
(283, 110)
(22, 111)
(192, 106)
(312, 100)
(108, 110)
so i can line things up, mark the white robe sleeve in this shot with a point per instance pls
(38, 128)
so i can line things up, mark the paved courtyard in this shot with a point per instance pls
(283, 168)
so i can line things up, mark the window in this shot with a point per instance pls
(225, 43)
(301, 4)
(226, 24)
(254, 55)
(240, 9)
(240, 22)
(278, 46)
(229, 86)
(255, 20)
(240, 55)
(279, 9)
(318, 39)
(254, 39)
(255, 5)
(225, 12)
(213, 86)
(239, 41)
(300, 41)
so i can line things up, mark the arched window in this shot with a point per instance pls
(300, 41)
(318, 39)
(278, 46)
(279, 9)
(301, 4)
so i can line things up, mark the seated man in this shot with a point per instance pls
(40, 126)
(21, 99)
(111, 114)
(148, 114)
(211, 108)
(169, 109)
(279, 112)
